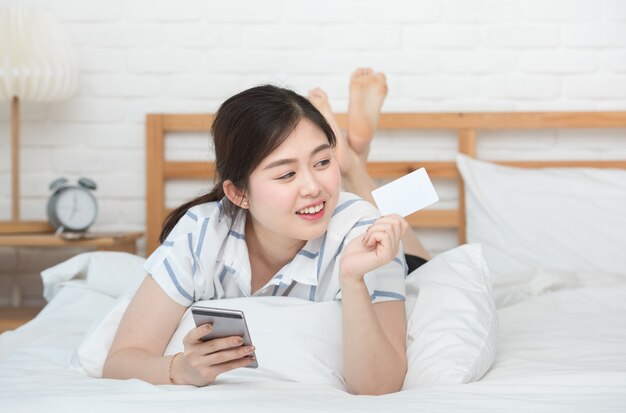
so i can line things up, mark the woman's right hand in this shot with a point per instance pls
(203, 361)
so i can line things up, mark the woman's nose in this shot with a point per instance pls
(310, 185)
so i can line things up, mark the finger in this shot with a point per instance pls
(232, 365)
(390, 218)
(195, 334)
(401, 223)
(404, 226)
(226, 356)
(220, 344)
(379, 226)
(370, 239)
(364, 237)
(381, 238)
(393, 222)
(385, 246)
(392, 228)
(397, 223)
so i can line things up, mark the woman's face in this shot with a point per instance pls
(294, 191)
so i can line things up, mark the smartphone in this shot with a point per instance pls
(226, 323)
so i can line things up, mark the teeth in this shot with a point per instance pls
(312, 210)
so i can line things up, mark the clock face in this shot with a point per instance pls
(76, 209)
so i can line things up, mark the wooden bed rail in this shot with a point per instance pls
(466, 125)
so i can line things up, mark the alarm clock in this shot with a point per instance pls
(72, 208)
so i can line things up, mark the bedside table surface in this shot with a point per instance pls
(89, 239)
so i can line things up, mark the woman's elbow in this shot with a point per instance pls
(111, 366)
(107, 370)
(377, 386)
(373, 390)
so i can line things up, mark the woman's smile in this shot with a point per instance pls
(312, 212)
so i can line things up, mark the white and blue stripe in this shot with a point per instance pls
(206, 258)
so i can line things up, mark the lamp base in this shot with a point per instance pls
(25, 227)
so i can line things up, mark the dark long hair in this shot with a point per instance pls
(247, 128)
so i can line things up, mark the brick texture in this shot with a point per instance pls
(144, 56)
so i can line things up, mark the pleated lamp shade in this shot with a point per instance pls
(37, 64)
(37, 60)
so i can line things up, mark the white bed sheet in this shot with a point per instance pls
(557, 351)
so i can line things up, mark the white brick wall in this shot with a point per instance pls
(142, 56)
(528, 36)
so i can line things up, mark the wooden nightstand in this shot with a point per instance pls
(117, 241)
(13, 317)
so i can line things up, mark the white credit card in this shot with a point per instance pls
(406, 195)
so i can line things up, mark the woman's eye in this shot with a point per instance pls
(324, 162)
(287, 176)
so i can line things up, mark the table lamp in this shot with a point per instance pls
(37, 64)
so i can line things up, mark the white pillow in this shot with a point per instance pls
(90, 355)
(564, 219)
(450, 339)
(452, 320)
(295, 339)
(108, 272)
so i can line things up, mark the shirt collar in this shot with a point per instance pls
(304, 268)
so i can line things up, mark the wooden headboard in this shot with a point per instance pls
(466, 125)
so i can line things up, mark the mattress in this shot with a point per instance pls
(560, 349)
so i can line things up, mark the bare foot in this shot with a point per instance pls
(367, 93)
(343, 153)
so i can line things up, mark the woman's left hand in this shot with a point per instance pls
(378, 246)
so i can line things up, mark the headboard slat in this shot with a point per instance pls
(564, 164)
(502, 120)
(493, 120)
(466, 125)
(396, 169)
(435, 218)
(189, 170)
(188, 122)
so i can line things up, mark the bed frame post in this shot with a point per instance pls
(155, 180)
(467, 146)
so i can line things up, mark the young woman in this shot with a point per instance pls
(276, 223)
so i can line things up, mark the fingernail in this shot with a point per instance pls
(239, 340)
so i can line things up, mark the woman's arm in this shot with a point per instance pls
(146, 329)
(374, 342)
(143, 335)
(374, 335)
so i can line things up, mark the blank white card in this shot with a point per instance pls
(406, 195)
